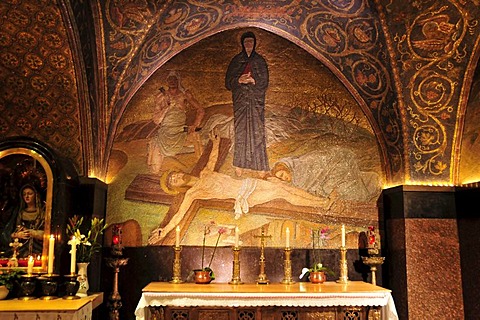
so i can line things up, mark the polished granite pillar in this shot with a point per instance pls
(467, 200)
(423, 252)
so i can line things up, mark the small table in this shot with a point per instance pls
(50, 309)
(297, 297)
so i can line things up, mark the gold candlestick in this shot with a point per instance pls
(115, 300)
(343, 266)
(262, 277)
(177, 266)
(236, 267)
(287, 267)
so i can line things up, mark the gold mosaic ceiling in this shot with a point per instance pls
(38, 95)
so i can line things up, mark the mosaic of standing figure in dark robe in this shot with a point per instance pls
(247, 77)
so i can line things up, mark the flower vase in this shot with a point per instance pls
(82, 268)
(317, 277)
(202, 277)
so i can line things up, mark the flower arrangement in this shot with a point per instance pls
(9, 277)
(206, 231)
(87, 245)
(322, 237)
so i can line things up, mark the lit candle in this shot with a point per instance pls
(177, 236)
(73, 255)
(30, 265)
(287, 237)
(51, 248)
(343, 235)
(236, 237)
(116, 235)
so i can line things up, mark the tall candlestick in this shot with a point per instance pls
(287, 237)
(30, 265)
(343, 235)
(51, 248)
(73, 255)
(236, 237)
(177, 236)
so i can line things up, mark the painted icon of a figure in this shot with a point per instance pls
(29, 221)
(171, 118)
(247, 78)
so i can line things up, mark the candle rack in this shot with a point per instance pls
(177, 265)
(343, 266)
(287, 267)
(236, 266)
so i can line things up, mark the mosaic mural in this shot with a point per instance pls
(313, 127)
(432, 47)
(38, 95)
(346, 35)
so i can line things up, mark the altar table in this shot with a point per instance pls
(37, 309)
(330, 300)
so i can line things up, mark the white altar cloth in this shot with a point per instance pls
(303, 294)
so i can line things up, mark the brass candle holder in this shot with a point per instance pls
(287, 267)
(236, 267)
(343, 266)
(116, 261)
(177, 266)
(373, 261)
(262, 277)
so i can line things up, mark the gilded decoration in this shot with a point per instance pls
(430, 43)
(38, 97)
(312, 123)
(347, 36)
(432, 50)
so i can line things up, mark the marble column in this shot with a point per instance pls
(422, 252)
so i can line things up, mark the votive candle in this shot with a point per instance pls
(73, 255)
(30, 265)
(236, 237)
(343, 235)
(177, 236)
(116, 235)
(51, 248)
(287, 237)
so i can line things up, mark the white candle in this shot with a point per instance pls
(73, 255)
(236, 237)
(343, 235)
(177, 236)
(51, 248)
(30, 265)
(287, 237)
